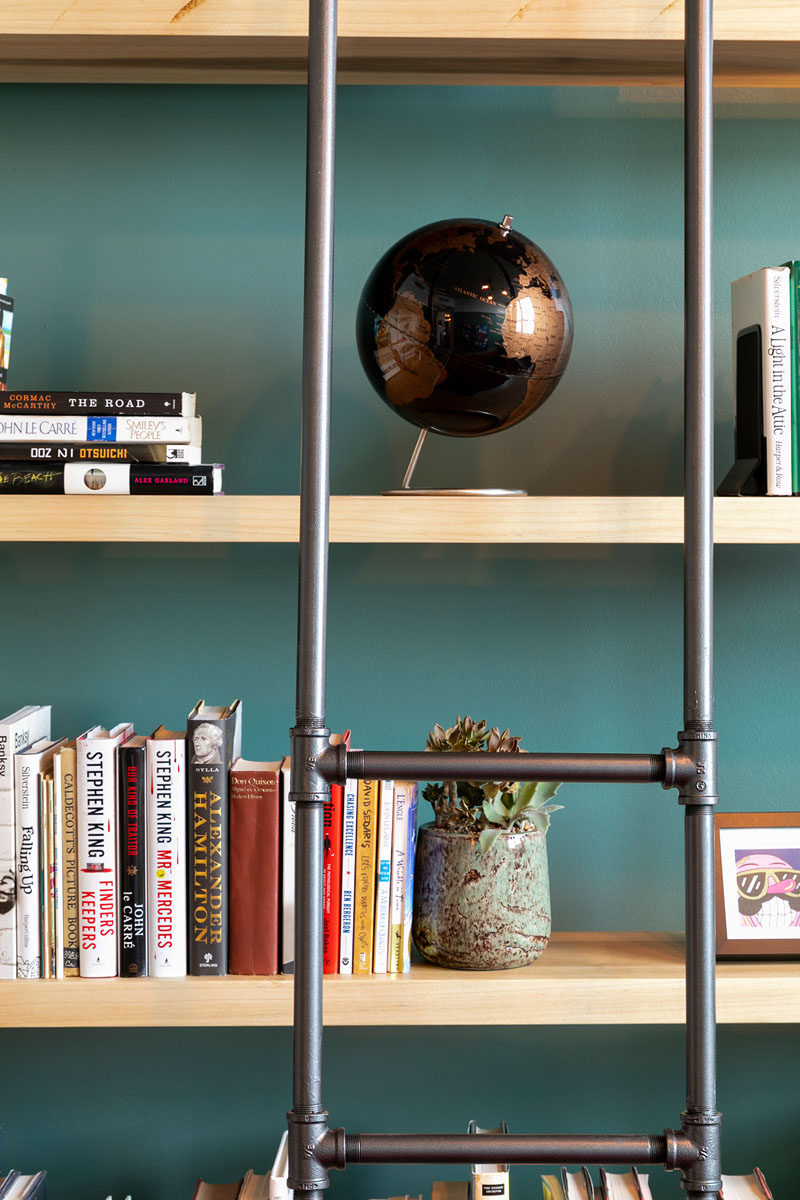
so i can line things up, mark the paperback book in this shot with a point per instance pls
(134, 479)
(25, 428)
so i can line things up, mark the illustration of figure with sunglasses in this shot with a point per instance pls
(768, 890)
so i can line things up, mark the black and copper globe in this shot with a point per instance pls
(464, 327)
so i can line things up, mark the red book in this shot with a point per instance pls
(255, 807)
(332, 871)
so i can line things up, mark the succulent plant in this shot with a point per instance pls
(466, 806)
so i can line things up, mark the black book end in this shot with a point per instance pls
(747, 477)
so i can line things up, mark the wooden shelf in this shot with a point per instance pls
(582, 979)
(452, 41)
(433, 519)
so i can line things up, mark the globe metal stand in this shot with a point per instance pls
(406, 489)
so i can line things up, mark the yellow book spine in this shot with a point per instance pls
(364, 899)
(69, 860)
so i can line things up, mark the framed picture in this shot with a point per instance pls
(758, 884)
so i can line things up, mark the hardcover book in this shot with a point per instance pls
(132, 857)
(332, 870)
(349, 815)
(65, 802)
(166, 853)
(214, 740)
(96, 753)
(81, 402)
(761, 322)
(288, 834)
(17, 731)
(254, 866)
(6, 321)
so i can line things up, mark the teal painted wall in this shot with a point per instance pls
(153, 239)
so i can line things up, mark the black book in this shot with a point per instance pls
(131, 831)
(85, 403)
(213, 741)
(129, 479)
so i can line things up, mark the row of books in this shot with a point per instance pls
(162, 855)
(766, 383)
(612, 1185)
(86, 442)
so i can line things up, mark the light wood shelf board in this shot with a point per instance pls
(490, 41)
(395, 519)
(581, 979)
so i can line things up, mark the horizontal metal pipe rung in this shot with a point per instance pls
(506, 1148)
(337, 764)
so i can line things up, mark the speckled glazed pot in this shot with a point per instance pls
(476, 911)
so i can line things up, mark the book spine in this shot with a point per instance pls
(794, 370)
(44, 878)
(65, 767)
(143, 404)
(48, 877)
(363, 918)
(408, 892)
(166, 856)
(349, 815)
(95, 429)
(208, 856)
(254, 859)
(332, 880)
(288, 835)
(121, 479)
(57, 880)
(777, 381)
(97, 836)
(97, 901)
(14, 736)
(383, 878)
(132, 860)
(141, 452)
(402, 792)
(29, 889)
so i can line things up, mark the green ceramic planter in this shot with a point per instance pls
(476, 911)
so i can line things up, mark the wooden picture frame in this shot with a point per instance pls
(758, 909)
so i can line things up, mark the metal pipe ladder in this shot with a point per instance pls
(694, 1147)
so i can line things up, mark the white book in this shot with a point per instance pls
(287, 869)
(18, 730)
(760, 304)
(745, 1187)
(383, 878)
(97, 847)
(397, 890)
(349, 814)
(625, 1185)
(166, 853)
(97, 429)
(278, 1186)
(28, 767)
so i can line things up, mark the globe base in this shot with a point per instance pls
(454, 492)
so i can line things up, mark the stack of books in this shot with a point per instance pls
(92, 442)
(129, 855)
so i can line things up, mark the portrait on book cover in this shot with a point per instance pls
(206, 743)
(758, 883)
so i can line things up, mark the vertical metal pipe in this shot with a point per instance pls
(700, 1118)
(317, 339)
(307, 1120)
(698, 367)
